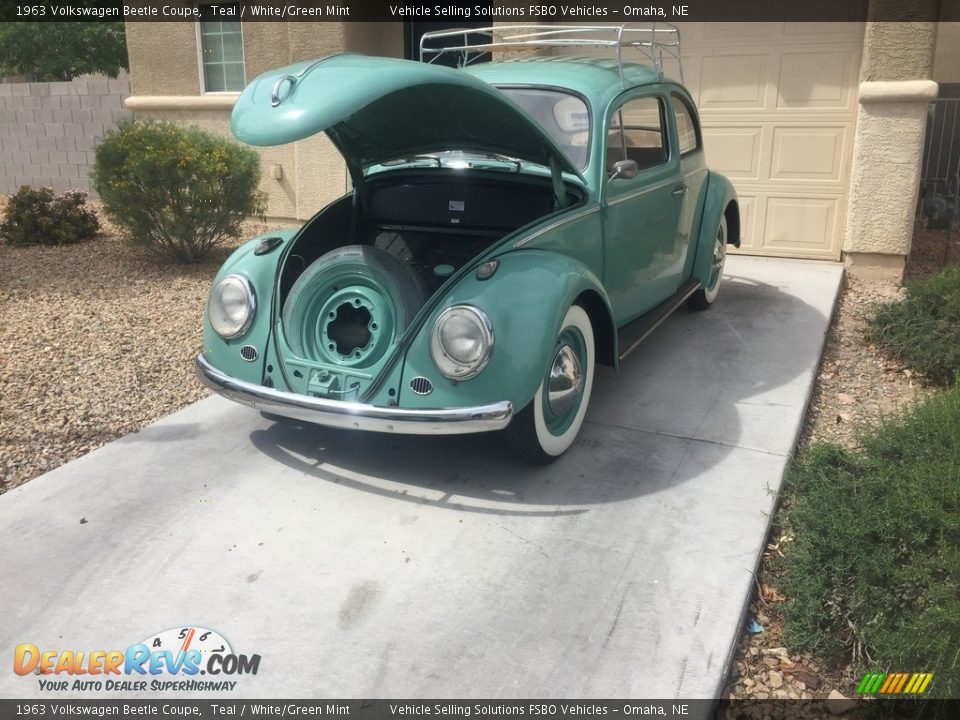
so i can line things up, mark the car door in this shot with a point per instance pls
(693, 175)
(641, 214)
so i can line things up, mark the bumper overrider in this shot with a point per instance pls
(356, 416)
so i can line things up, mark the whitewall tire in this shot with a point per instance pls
(704, 297)
(548, 425)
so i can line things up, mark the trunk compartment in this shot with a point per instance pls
(436, 222)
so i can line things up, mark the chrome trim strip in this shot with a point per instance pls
(680, 299)
(558, 223)
(637, 193)
(356, 416)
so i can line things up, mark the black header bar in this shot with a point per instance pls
(542, 11)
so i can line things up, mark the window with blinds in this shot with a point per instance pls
(221, 54)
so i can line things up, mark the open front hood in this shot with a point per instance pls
(377, 109)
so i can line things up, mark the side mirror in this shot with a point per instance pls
(625, 169)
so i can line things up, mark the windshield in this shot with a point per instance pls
(563, 115)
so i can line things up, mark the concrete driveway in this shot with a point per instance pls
(380, 566)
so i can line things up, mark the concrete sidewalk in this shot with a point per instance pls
(378, 566)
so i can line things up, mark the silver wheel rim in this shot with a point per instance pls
(716, 264)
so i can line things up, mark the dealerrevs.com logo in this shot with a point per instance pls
(170, 660)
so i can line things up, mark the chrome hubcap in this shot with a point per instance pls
(719, 255)
(566, 380)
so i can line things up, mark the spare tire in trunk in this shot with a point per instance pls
(350, 306)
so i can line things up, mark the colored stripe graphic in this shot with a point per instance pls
(866, 685)
(894, 683)
(891, 679)
(913, 683)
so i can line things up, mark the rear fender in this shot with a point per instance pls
(721, 199)
(525, 300)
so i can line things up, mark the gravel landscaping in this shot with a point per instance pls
(97, 340)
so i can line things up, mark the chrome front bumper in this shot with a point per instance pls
(356, 416)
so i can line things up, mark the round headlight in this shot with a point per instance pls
(231, 307)
(461, 342)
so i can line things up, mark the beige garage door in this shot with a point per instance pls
(778, 104)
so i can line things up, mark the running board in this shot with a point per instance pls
(636, 331)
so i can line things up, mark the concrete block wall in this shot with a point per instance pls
(48, 131)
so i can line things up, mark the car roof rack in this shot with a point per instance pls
(652, 39)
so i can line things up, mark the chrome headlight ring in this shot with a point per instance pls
(461, 342)
(232, 307)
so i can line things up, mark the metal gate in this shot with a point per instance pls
(940, 183)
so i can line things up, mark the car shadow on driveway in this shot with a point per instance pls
(702, 385)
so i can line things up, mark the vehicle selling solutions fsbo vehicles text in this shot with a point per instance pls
(536, 11)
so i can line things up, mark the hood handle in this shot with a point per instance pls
(275, 96)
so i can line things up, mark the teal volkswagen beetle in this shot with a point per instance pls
(511, 225)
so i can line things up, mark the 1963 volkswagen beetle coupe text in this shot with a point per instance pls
(511, 224)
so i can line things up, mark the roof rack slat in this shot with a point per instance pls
(653, 40)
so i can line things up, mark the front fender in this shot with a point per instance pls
(260, 271)
(720, 195)
(526, 300)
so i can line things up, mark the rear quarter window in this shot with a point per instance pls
(688, 132)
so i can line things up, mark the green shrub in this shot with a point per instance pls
(923, 330)
(178, 190)
(40, 217)
(874, 569)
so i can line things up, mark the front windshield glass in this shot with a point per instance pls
(565, 117)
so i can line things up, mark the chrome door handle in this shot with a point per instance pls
(679, 190)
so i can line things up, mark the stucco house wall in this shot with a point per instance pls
(166, 83)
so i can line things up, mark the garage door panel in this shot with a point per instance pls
(800, 223)
(808, 153)
(819, 80)
(830, 31)
(723, 31)
(733, 82)
(734, 151)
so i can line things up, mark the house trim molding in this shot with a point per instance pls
(222, 101)
(898, 91)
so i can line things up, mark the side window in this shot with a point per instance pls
(221, 55)
(636, 133)
(688, 134)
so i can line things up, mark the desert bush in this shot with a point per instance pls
(923, 329)
(873, 574)
(38, 216)
(178, 190)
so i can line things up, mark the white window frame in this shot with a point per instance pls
(200, 71)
